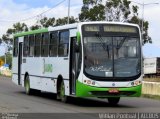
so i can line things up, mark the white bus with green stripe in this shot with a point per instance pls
(88, 59)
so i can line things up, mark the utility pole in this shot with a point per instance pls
(68, 10)
(143, 4)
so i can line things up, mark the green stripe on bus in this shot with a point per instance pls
(31, 32)
(83, 90)
(78, 37)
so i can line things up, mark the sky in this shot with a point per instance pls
(13, 11)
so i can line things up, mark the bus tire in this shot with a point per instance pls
(62, 95)
(113, 100)
(28, 90)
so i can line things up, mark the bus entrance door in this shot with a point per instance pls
(19, 62)
(73, 67)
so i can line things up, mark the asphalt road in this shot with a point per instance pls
(14, 100)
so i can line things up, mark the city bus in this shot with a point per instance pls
(86, 59)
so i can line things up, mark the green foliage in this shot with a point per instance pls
(62, 21)
(92, 10)
(1, 40)
(146, 38)
(19, 27)
(42, 23)
(114, 10)
(8, 37)
(118, 10)
(35, 27)
(46, 22)
(8, 59)
(16, 28)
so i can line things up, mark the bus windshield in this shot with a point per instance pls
(112, 56)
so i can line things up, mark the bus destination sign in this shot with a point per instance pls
(123, 29)
(94, 28)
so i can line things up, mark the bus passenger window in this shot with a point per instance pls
(37, 50)
(63, 43)
(25, 46)
(15, 48)
(44, 45)
(53, 44)
(31, 45)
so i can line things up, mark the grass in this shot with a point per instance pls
(5, 76)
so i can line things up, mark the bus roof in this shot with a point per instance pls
(70, 26)
(106, 22)
(31, 32)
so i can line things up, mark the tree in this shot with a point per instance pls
(114, 10)
(117, 10)
(145, 36)
(63, 21)
(8, 59)
(46, 22)
(8, 40)
(92, 10)
(16, 28)
(35, 27)
(0, 41)
(123, 11)
(43, 23)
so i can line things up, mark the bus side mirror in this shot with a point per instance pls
(77, 43)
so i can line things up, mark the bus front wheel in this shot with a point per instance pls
(113, 100)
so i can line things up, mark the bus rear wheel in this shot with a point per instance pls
(28, 90)
(113, 100)
(62, 95)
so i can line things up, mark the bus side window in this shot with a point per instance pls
(25, 46)
(15, 48)
(37, 46)
(44, 44)
(63, 44)
(53, 46)
(31, 45)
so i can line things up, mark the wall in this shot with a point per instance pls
(152, 88)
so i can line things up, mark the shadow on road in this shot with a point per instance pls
(82, 102)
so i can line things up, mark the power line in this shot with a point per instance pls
(26, 19)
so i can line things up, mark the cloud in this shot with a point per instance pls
(9, 4)
(151, 14)
(11, 11)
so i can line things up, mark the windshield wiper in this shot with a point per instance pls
(103, 45)
(121, 43)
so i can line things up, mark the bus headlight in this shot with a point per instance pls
(89, 82)
(136, 83)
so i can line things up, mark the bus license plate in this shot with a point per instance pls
(113, 90)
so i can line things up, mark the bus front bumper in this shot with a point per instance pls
(83, 90)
